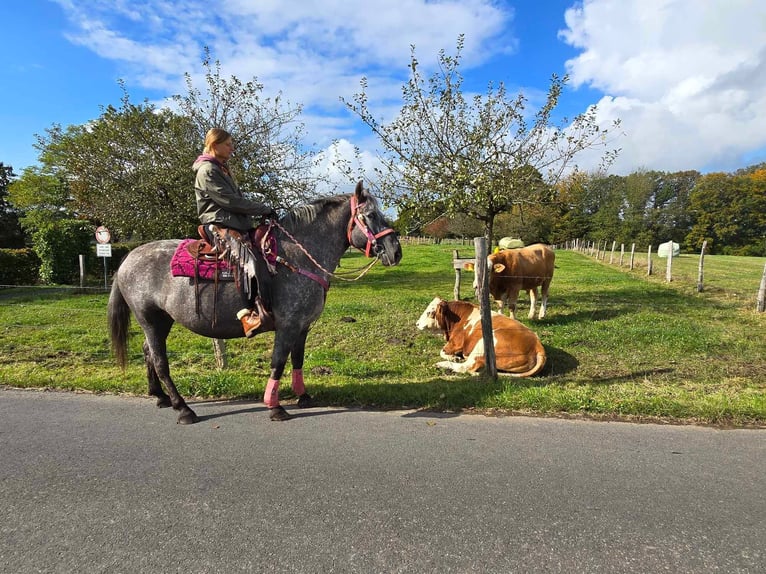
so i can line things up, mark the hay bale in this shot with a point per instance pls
(510, 243)
(664, 249)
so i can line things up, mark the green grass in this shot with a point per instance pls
(620, 345)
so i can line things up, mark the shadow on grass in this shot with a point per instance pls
(636, 375)
(559, 362)
(15, 295)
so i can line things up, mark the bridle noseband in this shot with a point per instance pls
(372, 238)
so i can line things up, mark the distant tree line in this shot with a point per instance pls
(728, 210)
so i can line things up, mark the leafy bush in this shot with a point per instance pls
(18, 267)
(58, 244)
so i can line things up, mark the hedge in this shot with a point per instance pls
(19, 267)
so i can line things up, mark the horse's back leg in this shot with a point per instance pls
(155, 385)
(156, 357)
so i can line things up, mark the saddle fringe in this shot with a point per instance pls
(236, 249)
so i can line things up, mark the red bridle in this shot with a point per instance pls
(358, 219)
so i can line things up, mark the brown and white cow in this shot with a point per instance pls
(518, 350)
(526, 268)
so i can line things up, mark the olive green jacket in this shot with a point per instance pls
(219, 199)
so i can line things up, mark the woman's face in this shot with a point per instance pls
(223, 150)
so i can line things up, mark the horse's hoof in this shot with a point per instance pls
(279, 414)
(305, 401)
(163, 402)
(188, 417)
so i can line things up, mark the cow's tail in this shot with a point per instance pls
(536, 368)
(118, 314)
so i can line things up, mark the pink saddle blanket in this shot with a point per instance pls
(182, 264)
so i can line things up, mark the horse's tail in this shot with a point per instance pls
(118, 313)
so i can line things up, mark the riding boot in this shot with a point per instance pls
(250, 322)
(266, 319)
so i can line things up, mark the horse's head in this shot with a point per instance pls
(369, 231)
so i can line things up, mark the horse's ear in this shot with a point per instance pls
(359, 191)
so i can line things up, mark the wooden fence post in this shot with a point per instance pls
(632, 255)
(611, 255)
(482, 279)
(622, 253)
(456, 290)
(649, 261)
(700, 270)
(669, 266)
(219, 348)
(761, 304)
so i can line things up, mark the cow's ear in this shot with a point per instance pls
(498, 268)
(468, 266)
(440, 309)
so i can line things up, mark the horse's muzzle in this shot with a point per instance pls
(391, 252)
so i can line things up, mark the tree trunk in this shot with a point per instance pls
(489, 228)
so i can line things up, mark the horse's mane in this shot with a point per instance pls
(307, 213)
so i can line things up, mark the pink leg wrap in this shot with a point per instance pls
(271, 394)
(298, 387)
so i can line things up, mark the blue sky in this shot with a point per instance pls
(686, 78)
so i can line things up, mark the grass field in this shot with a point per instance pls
(620, 345)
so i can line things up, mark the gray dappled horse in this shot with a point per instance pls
(311, 240)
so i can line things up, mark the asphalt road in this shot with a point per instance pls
(111, 484)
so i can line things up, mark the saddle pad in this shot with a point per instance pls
(182, 265)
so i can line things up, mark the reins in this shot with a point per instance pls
(362, 271)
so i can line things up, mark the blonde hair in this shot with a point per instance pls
(213, 137)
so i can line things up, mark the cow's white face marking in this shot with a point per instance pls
(428, 318)
(497, 268)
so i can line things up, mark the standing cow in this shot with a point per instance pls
(518, 350)
(513, 270)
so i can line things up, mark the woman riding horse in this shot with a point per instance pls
(221, 204)
(311, 241)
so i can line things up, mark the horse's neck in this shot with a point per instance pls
(325, 236)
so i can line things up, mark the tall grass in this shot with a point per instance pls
(619, 345)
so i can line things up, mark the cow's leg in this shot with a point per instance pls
(533, 296)
(447, 356)
(544, 302)
(513, 297)
(471, 365)
(503, 303)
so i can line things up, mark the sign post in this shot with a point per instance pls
(103, 249)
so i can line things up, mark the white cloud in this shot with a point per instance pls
(313, 51)
(687, 78)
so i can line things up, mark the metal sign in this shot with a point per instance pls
(104, 250)
(103, 235)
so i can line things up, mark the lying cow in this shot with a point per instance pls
(518, 351)
(513, 270)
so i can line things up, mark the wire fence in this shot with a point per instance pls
(685, 269)
(677, 267)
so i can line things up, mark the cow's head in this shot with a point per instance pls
(430, 317)
(492, 267)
